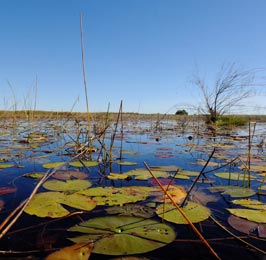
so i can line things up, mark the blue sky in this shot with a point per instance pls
(143, 52)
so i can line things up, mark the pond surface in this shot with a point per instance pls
(237, 160)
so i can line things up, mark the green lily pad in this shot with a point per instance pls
(34, 175)
(253, 204)
(233, 191)
(117, 176)
(258, 168)
(194, 211)
(48, 204)
(255, 215)
(234, 176)
(53, 165)
(132, 210)
(83, 163)
(69, 185)
(118, 196)
(124, 235)
(6, 165)
(143, 174)
(126, 163)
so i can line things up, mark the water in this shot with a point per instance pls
(170, 143)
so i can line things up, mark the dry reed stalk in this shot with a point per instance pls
(22, 206)
(204, 241)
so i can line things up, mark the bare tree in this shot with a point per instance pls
(232, 86)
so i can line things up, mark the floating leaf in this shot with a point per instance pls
(34, 175)
(258, 216)
(131, 210)
(69, 185)
(117, 176)
(177, 193)
(48, 204)
(143, 174)
(53, 165)
(68, 175)
(123, 235)
(253, 204)
(233, 191)
(6, 165)
(195, 212)
(242, 225)
(258, 168)
(7, 190)
(234, 176)
(126, 163)
(2, 203)
(80, 251)
(84, 163)
(118, 196)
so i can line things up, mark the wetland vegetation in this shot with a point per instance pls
(148, 186)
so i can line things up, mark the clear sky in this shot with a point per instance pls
(143, 52)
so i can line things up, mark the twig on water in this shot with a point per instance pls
(3, 228)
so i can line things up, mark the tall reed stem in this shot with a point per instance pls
(84, 77)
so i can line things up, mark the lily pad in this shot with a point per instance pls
(242, 225)
(194, 211)
(6, 165)
(117, 176)
(69, 185)
(53, 165)
(143, 174)
(68, 175)
(83, 163)
(80, 251)
(124, 235)
(126, 163)
(233, 191)
(48, 204)
(253, 204)
(118, 196)
(254, 215)
(166, 168)
(131, 210)
(34, 175)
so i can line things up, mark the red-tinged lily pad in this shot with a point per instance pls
(2, 203)
(68, 175)
(242, 225)
(79, 251)
(124, 235)
(7, 190)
